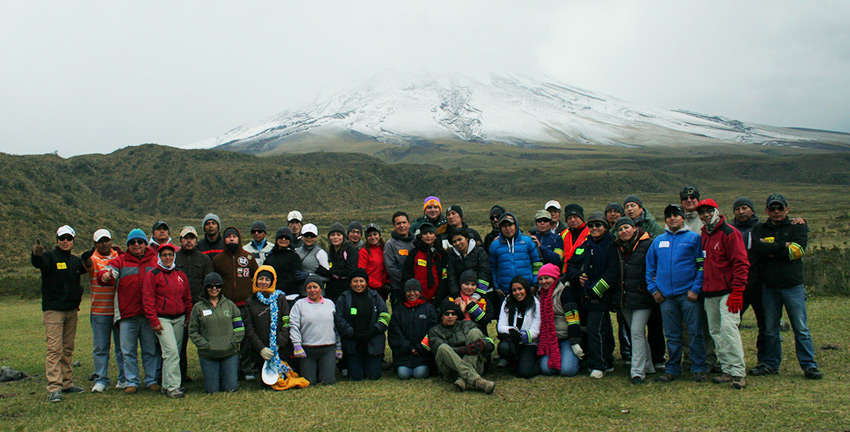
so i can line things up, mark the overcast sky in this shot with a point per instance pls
(94, 76)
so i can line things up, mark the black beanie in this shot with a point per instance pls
(359, 272)
(450, 305)
(496, 210)
(455, 208)
(623, 221)
(634, 199)
(468, 276)
(743, 201)
(283, 232)
(615, 206)
(212, 279)
(265, 273)
(412, 284)
(573, 209)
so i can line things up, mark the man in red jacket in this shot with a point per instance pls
(724, 278)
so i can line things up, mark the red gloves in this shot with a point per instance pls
(735, 301)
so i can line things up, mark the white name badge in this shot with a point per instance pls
(206, 312)
(664, 243)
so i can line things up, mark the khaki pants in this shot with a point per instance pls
(61, 329)
(723, 326)
(468, 367)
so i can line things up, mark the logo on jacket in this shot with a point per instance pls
(242, 261)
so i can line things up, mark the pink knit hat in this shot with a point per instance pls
(549, 270)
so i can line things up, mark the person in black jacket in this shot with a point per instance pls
(466, 254)
(408, 325)
(343, 258)
(593, 271)
(286, 263)
(258, 319)
(60, 299)
(633, 299)
(361, 319)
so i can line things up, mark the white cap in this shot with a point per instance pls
(101, 233)
(552, 203)
(65, 229)
(310, 228)
(188, 230)
(294, 215)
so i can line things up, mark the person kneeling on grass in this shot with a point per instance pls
(409, 324)
(460, 349)
(519, 326)
(361, 319)
(215, 327)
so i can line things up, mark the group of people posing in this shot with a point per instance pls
(297, 309)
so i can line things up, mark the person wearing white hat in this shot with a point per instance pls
(295, 221)
(60, 299)
(103, 313)
(554, 209)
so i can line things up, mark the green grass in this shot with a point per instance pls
(783, 402)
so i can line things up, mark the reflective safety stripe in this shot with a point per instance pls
(795, 251)
(384, 319)
(600, 287)
(285, 320)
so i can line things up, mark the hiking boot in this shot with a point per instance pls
(738, 383)
(154, 387)
(484, 385)
(699, 377)
(724, 378)
(98, 388)
(665, 378)
(597, 374)
(762, 369)
(175, 394)
(73, 389)
(460, 384)
(637, 380)
(813, 373)
(130, 389)
(55, 396)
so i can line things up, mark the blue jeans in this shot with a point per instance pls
(103, 331)
(419, 372)
(673, 310)
(137, 331)
(220, 374)
(362, 365)
(794, 300)
(569, 361)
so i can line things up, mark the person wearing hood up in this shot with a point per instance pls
(237, 267)
(512, 254)
(427, 264)
(167, 300)
(342, 257)
(217, 329)
(396, 250)
(286, 263)
(267, 320)
(362, 319)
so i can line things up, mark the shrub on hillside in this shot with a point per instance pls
(826, 271)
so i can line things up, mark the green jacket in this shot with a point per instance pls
(454, 336)
(216, 331)
(648, 224)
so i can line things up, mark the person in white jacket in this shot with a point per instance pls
(518, 328)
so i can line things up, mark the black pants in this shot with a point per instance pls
(183, 361)
(521, 358)
(624, 336)
(752, 298)
(246, 360)
(655, 335)
(599, 354)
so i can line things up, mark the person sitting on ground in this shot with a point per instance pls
(362, 319)
(408, 325)
(519, 327)
(427, 264)
(460, 349)
(474, 307)
(559, 343)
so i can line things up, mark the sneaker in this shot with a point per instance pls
(665, 378)
(460, 384)
(121, 385)
(597, 374)
(724, 378)
(175, 394)
(502, 363)
(699, 377)
(55, 396)
(98, 388)
(813, 374)
(637, 380)
(738, 383)
(154, 387)
(73, 389)
(250, 377)
(130, 389)
(659, 366)
(762, 369)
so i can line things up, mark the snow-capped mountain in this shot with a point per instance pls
(508, 109)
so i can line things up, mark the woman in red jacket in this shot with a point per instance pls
(427, 263)
(167, 302)
(372, 260)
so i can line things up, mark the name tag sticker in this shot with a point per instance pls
(61, 266)
(354, 311)
(206, 312)
(664, 244)
(422, 262)
(403, 252)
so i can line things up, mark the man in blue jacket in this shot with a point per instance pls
(674, 278)
(512, 254)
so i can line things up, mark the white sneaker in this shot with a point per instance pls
(597, 374)
(98, 388)
(121, 385)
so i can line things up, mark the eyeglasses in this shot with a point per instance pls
(256, 231)
(450, 313)
(136, 242)
(705, 210)
(66, 238)
(217, 286)
(593, 225)
(776, 208)
(166, 255)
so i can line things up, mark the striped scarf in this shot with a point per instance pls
(271, 302)
(547, 342)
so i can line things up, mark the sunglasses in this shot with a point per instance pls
(689, 197)
(450, 313)
(256, 231)
(596, 225)
(543, 220)
(66, 238)
(775, 208)
(136, 242)
(309, 235)
(217, 286)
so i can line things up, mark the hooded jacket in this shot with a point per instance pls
(216, 330)
(476, 259)
(371, 259)
(726, 265)
(285, 262)
(237, 270)
(165, 293)
(60, 279)
(632, 288)
(648, 224)
(674, 263)
(258, 320)
(516, 256)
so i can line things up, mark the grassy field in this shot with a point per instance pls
(783, 402)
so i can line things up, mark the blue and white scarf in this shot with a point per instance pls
(271, 302)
